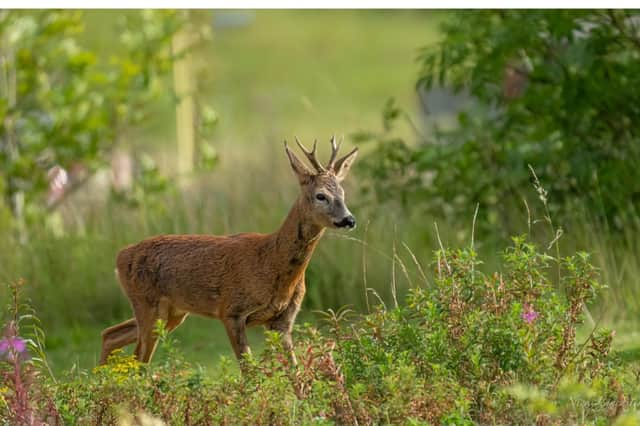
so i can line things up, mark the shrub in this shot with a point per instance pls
(65, 106)
(473, 348)
(557, 90)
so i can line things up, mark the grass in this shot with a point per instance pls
(202, 340)
(305, 73)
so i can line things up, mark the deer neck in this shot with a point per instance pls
(295, 242)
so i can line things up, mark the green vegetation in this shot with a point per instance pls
(469, 348)
(554, 90)
(549, 154)
(551, 104)
(63, 105)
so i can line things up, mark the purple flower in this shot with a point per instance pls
(529, 315)
(12, 345)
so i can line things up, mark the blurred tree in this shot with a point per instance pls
(559, 90)
(63, 108)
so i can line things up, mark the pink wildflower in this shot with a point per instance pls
(529, 315)
(13, 344)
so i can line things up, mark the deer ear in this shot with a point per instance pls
(301, 171)
(341, 169)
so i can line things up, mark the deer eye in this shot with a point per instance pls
(321, 197)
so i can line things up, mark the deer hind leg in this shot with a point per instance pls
(118, 336)
(146, 316)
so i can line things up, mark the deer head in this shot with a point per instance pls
(322, 196)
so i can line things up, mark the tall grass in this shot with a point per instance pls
(71, 282)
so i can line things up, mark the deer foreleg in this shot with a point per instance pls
(236, 330)
(283, 323)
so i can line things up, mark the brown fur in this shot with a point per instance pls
(243, 280)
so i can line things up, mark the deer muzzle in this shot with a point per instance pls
(346, 222)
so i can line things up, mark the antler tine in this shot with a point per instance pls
(335, 147)
(311, 155)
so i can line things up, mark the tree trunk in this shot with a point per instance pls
(185, 109)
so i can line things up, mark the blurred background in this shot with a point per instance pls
(473, 126)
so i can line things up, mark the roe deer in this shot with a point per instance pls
(243, 280)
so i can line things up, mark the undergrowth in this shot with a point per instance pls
(471, 348)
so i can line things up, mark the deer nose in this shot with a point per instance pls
(347, 222)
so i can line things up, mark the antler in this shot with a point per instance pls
(311, 155)
(334, 152)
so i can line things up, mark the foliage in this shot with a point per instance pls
(475, 348)
(554, 90)
(67, 106)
